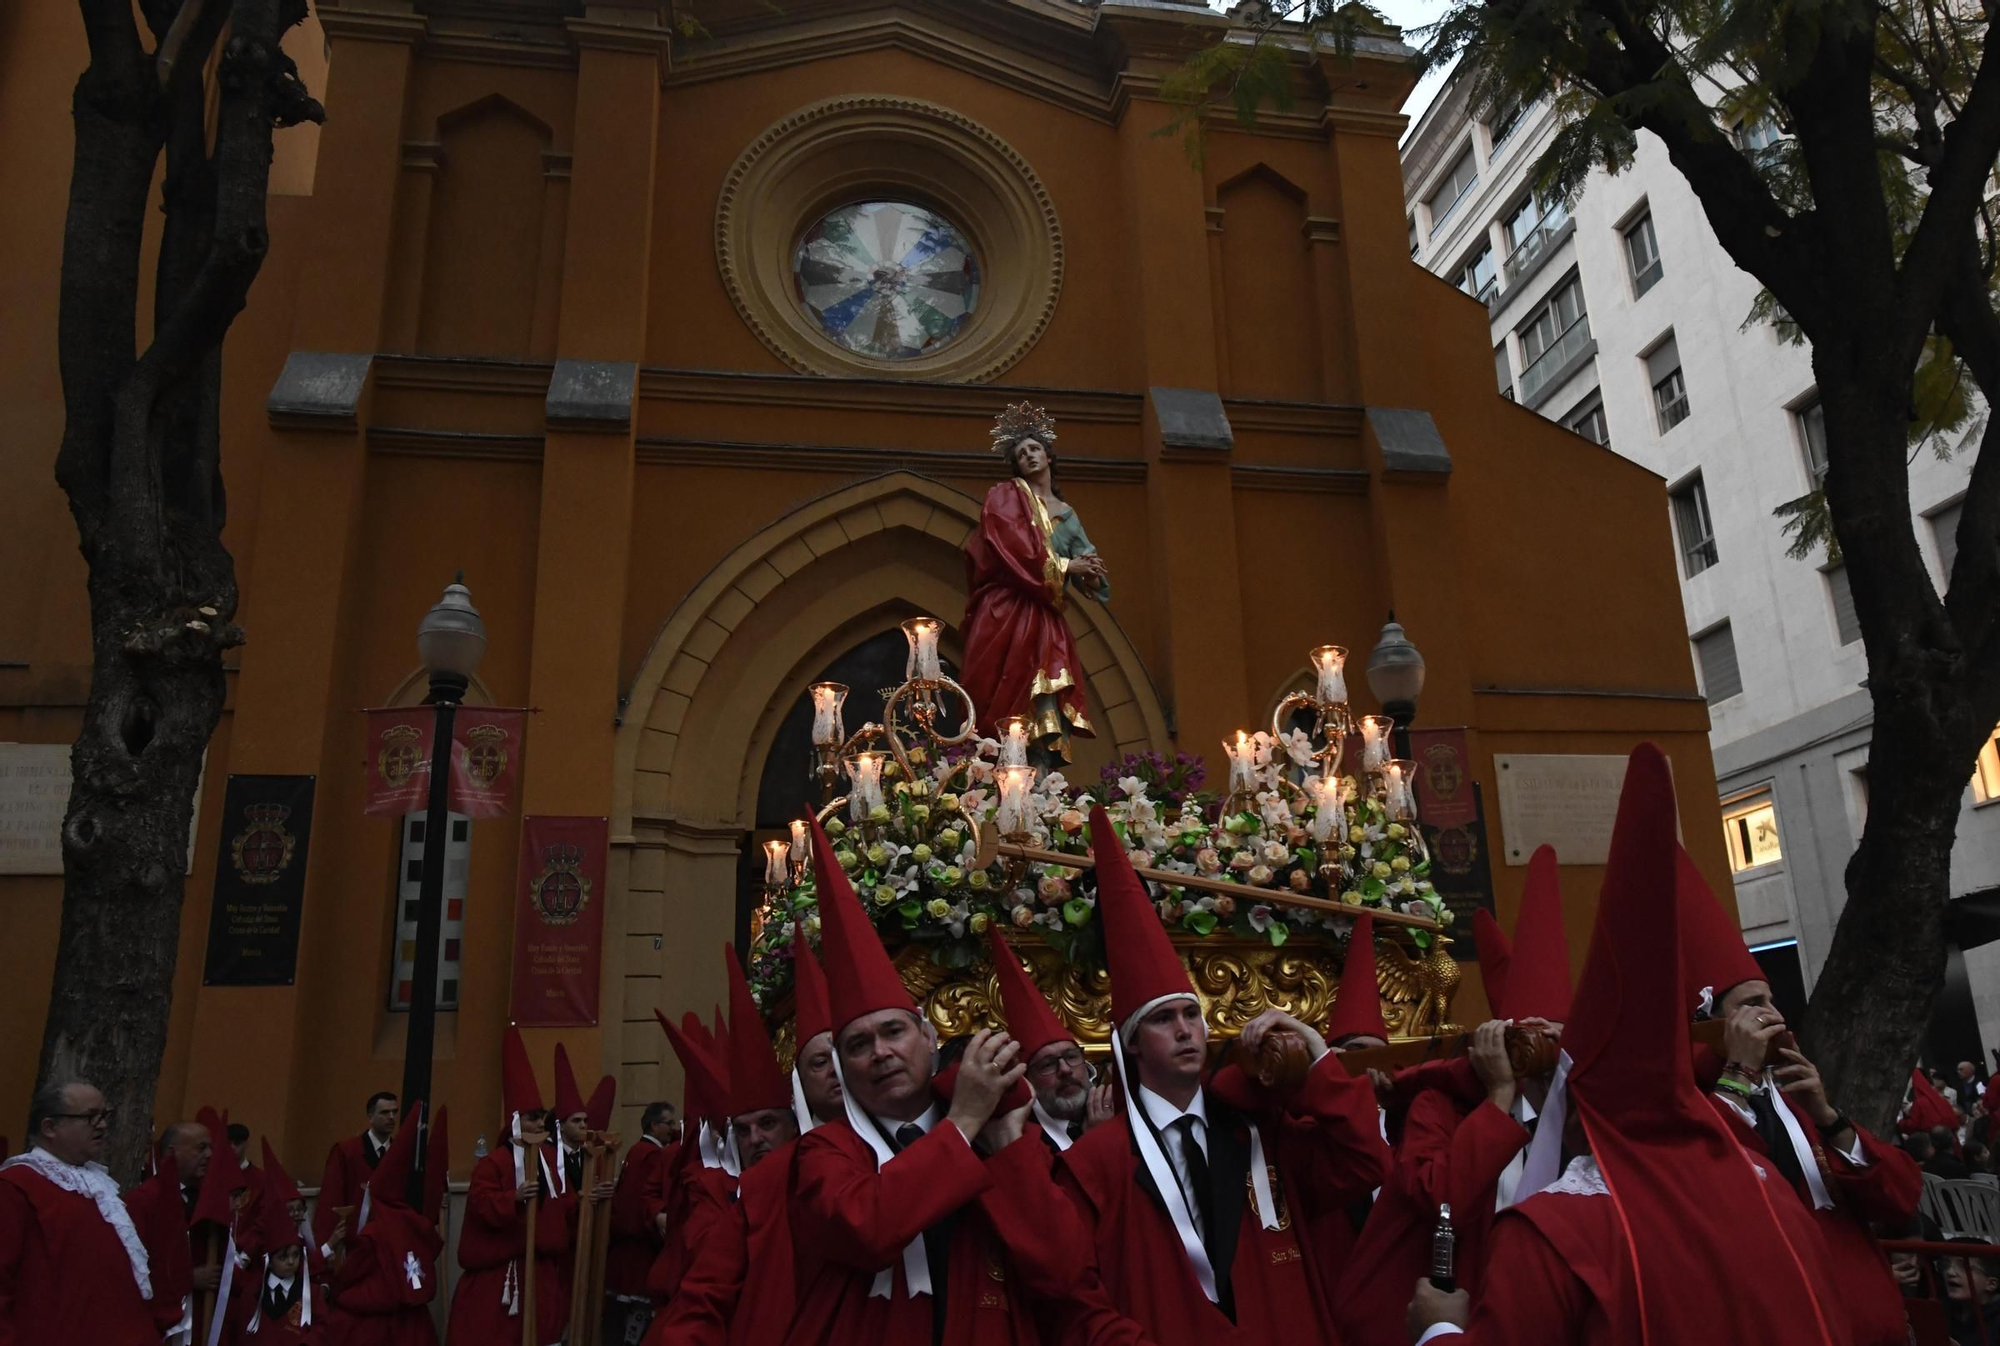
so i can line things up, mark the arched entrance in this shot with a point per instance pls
(729, 666)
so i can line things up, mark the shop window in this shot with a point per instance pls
(1750, 827)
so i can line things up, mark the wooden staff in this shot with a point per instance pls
(204, 1303)
(1530, 1053)
(531, 1143)
(593, 1242)
(991, 846)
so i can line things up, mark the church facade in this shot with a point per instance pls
(620, 316)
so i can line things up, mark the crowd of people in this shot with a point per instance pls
(1586, 1171)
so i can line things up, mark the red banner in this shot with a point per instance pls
(399, 759)
(486, 760)
(1444, 778)
(559, 921)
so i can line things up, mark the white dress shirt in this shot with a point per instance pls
(1164, 1116)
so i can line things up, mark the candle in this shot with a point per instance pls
(1399, 791)
(922, 633)
(777, 865)
(1012, 816)
(864, 775)
(1330, 663)
(1326, 806)
(1242, 763)
(828, 730)
(1375, 731)
(1014, 741)
(799, 843)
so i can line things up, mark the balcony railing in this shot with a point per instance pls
(1551, 361)
(1528, 249)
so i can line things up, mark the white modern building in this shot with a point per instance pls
(1623, 319)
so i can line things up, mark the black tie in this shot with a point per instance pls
(1777, 1142)
(908, 1134)
(937, 1243)
(1075, 1130)
(1196, 1165)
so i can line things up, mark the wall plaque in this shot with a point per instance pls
(1568, 801)
(34, 792)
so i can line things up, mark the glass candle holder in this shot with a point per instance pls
(1327, 798)
(864, 776)
(800, 844)
(777, 865)
(1399, 791)
(1015, 782)
(1375, 732)
(922, 633)
(828, 728)
(1242, 763)
(1330, 669)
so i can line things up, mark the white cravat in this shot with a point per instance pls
(1509, 1185)
(93, 1181)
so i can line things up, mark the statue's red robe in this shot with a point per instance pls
(1017, 645)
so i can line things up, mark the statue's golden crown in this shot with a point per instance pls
(1021, 421)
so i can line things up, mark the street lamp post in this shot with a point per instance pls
(450, 640)
(1396, 676)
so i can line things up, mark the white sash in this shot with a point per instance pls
(916, 1265)
(1057, 1132)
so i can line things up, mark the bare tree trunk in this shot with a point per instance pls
(140, 463)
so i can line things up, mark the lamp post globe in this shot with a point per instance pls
(1396, 676)
(450, 640)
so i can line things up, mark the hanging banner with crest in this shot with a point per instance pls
(399, 759)
(485, 760)
(260, 881)
(559, 921)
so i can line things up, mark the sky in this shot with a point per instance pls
(1408, 14)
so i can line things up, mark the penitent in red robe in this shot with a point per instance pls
(385, 1284)
(1449, 1153)
(490, 1246)
(64, 1274)
(349, 1166)
(1327, 1148)
(741, 1284)
(1884, 1190)
(1017, 645)
(633, 1240)
(859, 1218)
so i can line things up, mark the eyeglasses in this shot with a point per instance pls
(1047, 1067)
(96, 1116)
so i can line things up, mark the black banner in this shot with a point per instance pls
(1461, 874)
(260, 882)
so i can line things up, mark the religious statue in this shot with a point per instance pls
(1028, 553)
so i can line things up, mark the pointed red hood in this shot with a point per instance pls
(569, 1099)
(1713, 955)
(1030, 1020)
(518, 1091)
(1494, 955)
(1928, 1107)
(705, 1096)
(1357, 1008)
(278, 1184)
(437, 1165)
(389, 1184)
(216, 1201)
(755, 1082)
(1696, 1213)
(860, 977)
(1144, 968)
(597, 1108)
(1537, 976)
(812, 1014)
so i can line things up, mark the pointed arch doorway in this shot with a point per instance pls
(712, 745)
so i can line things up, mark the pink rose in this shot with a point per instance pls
(1024, 917)
(1225, 907)
(1242, 860)
(1300, 881)
(1207, 861)
(1053, 889)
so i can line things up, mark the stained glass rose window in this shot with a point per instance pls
(887, 279)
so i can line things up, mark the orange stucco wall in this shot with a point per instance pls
(466, 203)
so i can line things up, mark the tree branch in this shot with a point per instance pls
(1957, 191)
(1972, 590)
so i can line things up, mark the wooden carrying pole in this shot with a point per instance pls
(593, 1242)
(531, 1143)
(990, 846)
(204, 1303)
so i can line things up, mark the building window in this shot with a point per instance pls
(1750, 826)
(1502, 372)
(886, 279)
(1642, 251)
(1555, 335)
(1478, 276)
(1697, 531)
(1416, 243)
(1986, 776)
(1715, 653)
(1588, 420)
(1454, 187)
(1944, 535)
(1506, 120)
(409, 888)
(1846, 626)
(1663, 371)
(1812, 434)
(1756, 133)
(1529, 231)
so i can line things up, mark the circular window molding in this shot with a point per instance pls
(850, 150)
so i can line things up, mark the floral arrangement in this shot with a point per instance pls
(913, 857)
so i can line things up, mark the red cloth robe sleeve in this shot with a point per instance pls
(863, 1217)
(64, 1275)
(1533, 1297)
(700, 1312)
(336, 1187)
(1457, 1158)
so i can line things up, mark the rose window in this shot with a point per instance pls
(886, 279)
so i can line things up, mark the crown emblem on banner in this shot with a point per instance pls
(401, 756)
(486, 753)
(561, 891)
(263, 850)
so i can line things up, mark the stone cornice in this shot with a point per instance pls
(868, 459)
(372, 25)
